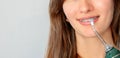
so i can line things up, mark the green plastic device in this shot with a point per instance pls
(113, 53)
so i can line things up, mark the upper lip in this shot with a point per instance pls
(80, 19)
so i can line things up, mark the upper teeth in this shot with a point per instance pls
(87, 20)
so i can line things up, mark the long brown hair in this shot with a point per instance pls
(62, 41)
(115, 25)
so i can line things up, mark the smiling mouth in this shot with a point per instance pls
(86, 21)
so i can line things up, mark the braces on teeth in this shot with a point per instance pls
(107, 46)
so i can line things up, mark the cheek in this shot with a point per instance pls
(105, 8)
(69, 11)
(103, 5)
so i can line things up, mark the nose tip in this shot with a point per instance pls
(85, 7)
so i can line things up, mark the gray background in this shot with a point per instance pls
(24, 28)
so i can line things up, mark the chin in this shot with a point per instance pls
(86, 34)
(89, 35)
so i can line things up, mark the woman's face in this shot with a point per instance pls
(78, 13)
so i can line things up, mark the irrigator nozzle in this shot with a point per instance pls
(107, 47)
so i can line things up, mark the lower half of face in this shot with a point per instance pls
(101, 12)
(85, 29)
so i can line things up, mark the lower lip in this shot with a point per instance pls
(88, 23)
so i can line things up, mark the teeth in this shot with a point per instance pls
(87, 20)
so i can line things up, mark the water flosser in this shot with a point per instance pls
(111, 52)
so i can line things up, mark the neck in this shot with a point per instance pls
(92, 46)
